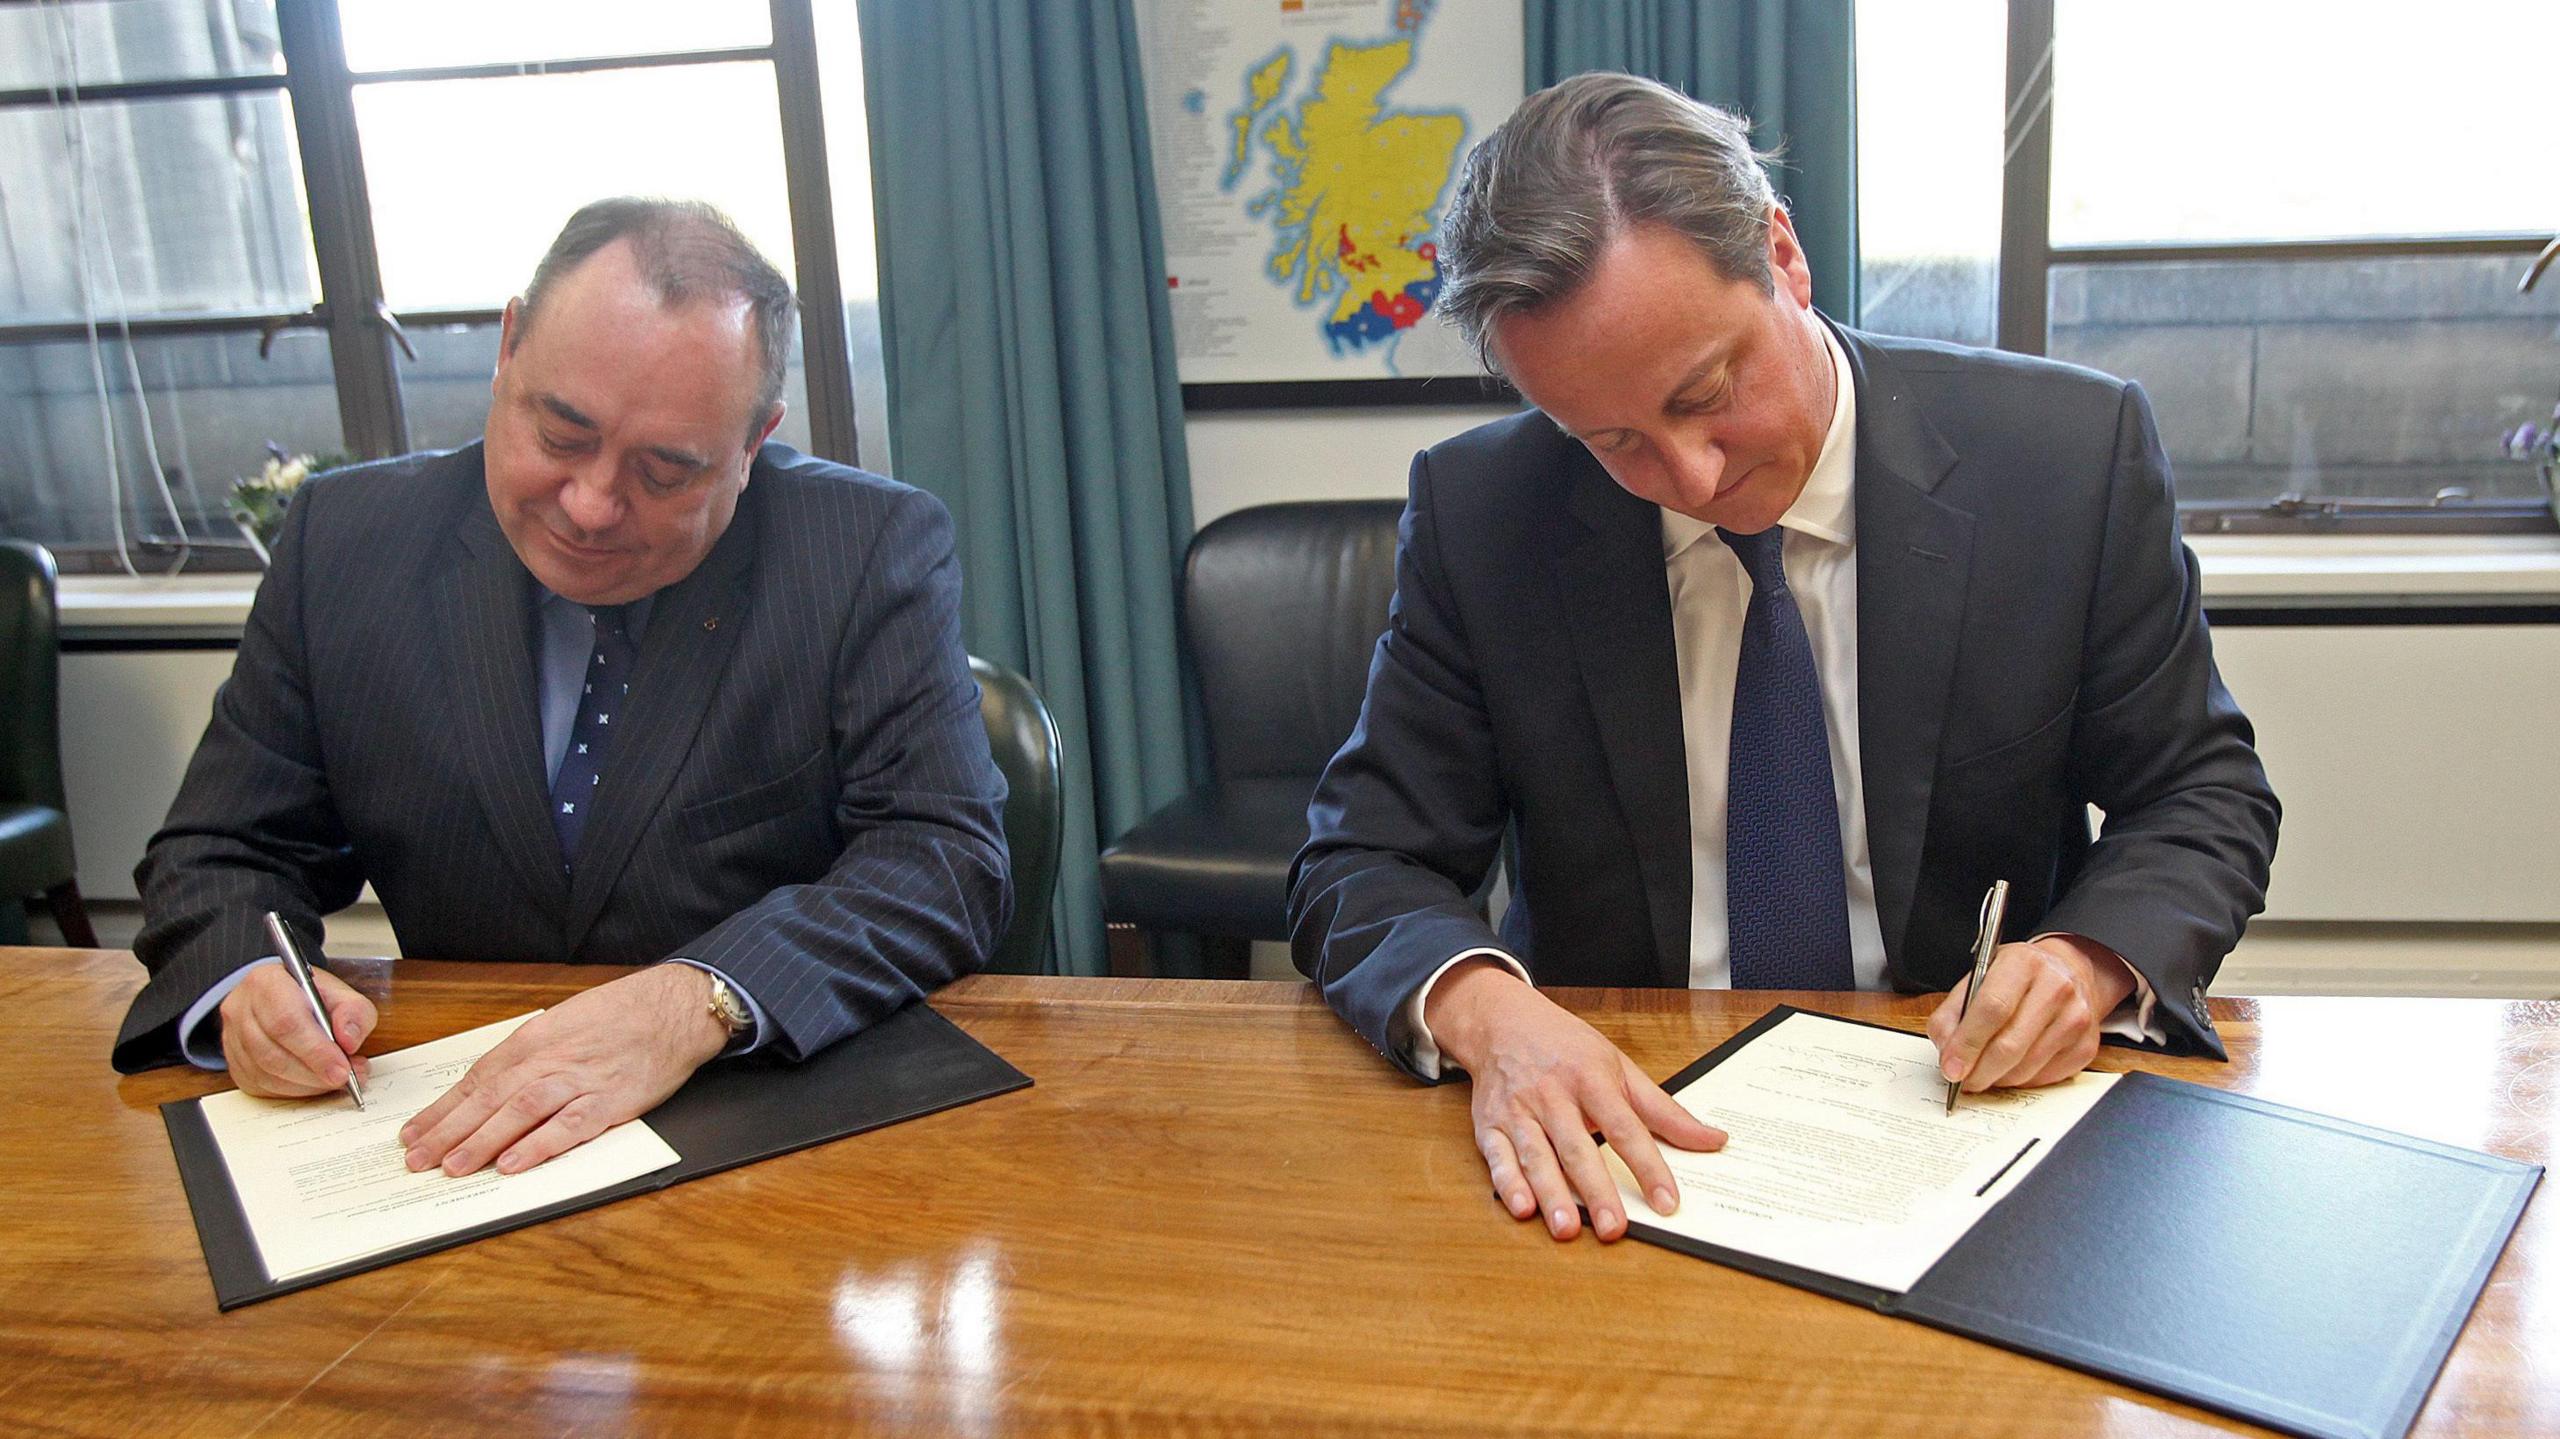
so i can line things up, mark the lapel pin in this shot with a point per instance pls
(711, 624)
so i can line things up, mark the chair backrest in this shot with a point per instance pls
(1281, 606)
(30, 669)
(1025, 741)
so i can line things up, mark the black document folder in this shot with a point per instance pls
(2283, 1267)
(912, 1064)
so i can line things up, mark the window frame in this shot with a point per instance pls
(2027, 257)
(364, 331)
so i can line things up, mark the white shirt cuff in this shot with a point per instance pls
(753, 1037)
(1413, 1035)
(2132, 1018)
(209, 1054)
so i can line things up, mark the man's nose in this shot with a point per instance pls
(590, 498)
(1697, 465)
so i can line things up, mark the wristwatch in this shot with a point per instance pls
(728, 1008)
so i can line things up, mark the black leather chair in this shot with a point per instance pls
(1281, 606)
(35, 824)
(1025, 741)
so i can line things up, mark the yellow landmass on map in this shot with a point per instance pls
(1261, 88)
(1358, 183)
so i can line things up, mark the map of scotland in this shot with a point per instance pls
(1305, 151)
(1358, 183)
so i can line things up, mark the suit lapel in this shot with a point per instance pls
(693, 626)
(1617, 604)
(1914, 554)
(488, 653)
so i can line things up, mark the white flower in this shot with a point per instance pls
(284, 476)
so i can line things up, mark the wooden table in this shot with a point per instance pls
(1216, 1211)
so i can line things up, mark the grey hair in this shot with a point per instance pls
(1579, 163)
(686, 251)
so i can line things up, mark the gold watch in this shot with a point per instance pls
(728, 1008)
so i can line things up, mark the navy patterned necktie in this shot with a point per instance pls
(1786, 886)
(581, 773)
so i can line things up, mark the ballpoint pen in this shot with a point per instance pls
(1995, 906)
(300, 969)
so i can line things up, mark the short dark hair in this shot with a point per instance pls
(687, 251)
(1579, 163)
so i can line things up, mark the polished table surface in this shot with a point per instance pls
(1216, 1211)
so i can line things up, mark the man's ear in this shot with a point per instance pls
(510, 333)
(755, 441)
(1789, 271)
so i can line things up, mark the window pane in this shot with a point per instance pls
(49, 45)
(188, 206)
(2214, 120)
(446, 389)
(405, 34)
(213, 406)
(857, 247)
(1929, 86)
(2374, 378)
(471, 179)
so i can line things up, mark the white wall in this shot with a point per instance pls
(1241, 458)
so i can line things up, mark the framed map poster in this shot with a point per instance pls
(1304, 155)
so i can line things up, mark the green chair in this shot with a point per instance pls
(35, 824)
(1025, 741)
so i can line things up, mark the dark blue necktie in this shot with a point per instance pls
(1786, 887)
(581, 773)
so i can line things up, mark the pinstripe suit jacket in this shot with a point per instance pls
(804, 796)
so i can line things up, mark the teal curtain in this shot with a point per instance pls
(1032, 387)
(1791, 65)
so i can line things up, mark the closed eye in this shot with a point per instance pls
(1704, 404)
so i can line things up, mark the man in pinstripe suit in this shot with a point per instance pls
(622, 683)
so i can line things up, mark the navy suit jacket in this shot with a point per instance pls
(803, 797)
(2030, 642)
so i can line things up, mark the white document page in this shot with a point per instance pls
(1843, 1158)
(323, 1183)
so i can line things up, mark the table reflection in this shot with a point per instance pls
(2428, 1067)
(928, 1328)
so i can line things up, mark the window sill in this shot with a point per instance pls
(122, 609)
(2240, 572)
(2378, 571)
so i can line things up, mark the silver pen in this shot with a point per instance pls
(300, 969)
(1986, 939)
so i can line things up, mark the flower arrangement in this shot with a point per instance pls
(257, 502)
(2540, 444)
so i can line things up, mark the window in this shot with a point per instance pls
(222, 225)
(2303, 239)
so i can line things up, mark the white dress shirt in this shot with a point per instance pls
(1710, 594)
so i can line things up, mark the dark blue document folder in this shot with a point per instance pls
(2273, 1264)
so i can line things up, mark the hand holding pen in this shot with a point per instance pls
(274, 1044)
(2033, 1011)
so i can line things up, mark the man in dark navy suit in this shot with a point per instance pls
(1771, 645)
(622, 683)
